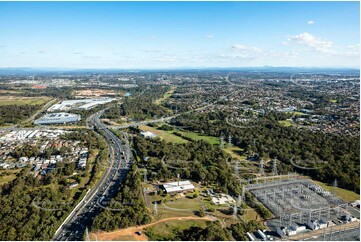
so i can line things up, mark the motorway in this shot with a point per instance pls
(74, 226)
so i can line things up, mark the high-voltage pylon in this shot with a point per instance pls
(145, 175)
(155, 209)
(87, 234)
(236, 171)
(334, 187)
(229, 140)
(274, 167)
(261, 167)
(243, 193)
(221, 144)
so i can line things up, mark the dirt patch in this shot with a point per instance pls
(94, 93)
(131, 231)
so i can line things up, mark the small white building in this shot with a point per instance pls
(148, 134)
(82, 163)
(317, 224)
(72, 185)
(23, 159)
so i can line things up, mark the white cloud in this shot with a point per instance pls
(209, 36)
(244, 48)
(311, 22)
(153, 51)
(312, 42)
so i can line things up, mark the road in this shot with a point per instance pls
(74, 226)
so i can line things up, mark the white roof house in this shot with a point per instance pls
(178, 186)
(148, 134)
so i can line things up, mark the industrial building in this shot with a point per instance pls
(177, 187)
(84, 104)
(58, 118)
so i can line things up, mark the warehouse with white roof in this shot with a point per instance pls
(58, 118)
(177, 187)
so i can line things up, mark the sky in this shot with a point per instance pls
(179, 34)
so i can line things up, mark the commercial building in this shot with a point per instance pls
(84, 104)
(176, 187)
(148, 134)
(58, 118)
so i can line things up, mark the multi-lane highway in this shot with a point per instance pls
(74, 226)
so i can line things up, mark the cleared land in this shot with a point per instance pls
(166, 95)
(95, 93)
(346, 195)
(166, 136)
(131, 231)
(286, 123)
(8, 175)
(235, 152)
(14, 100)
(166, 231)
(194, 136)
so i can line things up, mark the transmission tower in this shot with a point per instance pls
(261, 167)
(230, 140)
(221, 145)
(155, 209)
(274, 167)
(236, 171)
(145, 175)
(334, 187)
(243, 193)
(87, 234)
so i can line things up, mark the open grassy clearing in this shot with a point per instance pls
(286, 123)
(8, 175)
(166, 230)
(251, 214)
(235, 152)
(166, 136)
(14, 100)
(346, 195)
(166, 95)
(184, 203)
(194, 136)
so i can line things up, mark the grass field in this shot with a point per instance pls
(166, 136)
(185, 203)
(286, 123)
(167, 229)
(8, 175)
(194, 136)
(346, 195)
(166, 95)
(12, 100)
(251, 214)
(234, 152)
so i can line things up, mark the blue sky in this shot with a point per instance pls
(179, 34)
